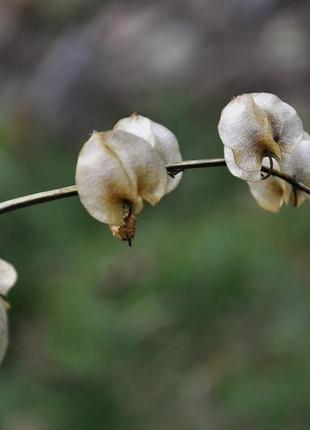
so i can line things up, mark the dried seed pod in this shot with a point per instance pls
(235, 169)
(287, 127)
(8, 278)
(117, 166)
(254, 126)
(159, 137)
(297, 165)
(3, 329)
(270, 193)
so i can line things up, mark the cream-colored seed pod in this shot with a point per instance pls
(159, 137)
(256, 125)
(116, 167)
(270, 193)
(8, 278)
(235, 169)
(297, 165)
(287, 127)
(3, 329)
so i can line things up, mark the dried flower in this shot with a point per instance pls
(159, 137)
(8, 278)
(117, 167)
(254, 126)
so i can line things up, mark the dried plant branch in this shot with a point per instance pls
(172, 169)
(36, 199)
(217, 162)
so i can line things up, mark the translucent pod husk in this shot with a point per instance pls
(270, 193)
(3, 329)
(297, 165)
(254, 126)
(115, 167)
(8, 277)
(159, 137)
(286, 125)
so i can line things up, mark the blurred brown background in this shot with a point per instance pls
(204, 324)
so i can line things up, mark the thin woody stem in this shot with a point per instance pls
(172, 169)
(38, 198)
(216, 162)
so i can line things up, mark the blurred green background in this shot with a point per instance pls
(204, 323)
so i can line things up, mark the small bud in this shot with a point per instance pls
(115, 167)
(159, 137)
(254, 126)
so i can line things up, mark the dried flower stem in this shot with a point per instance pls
(172, 169)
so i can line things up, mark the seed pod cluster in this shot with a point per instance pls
(259, 127)
(126, 165)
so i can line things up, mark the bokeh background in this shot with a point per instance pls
(204, 323)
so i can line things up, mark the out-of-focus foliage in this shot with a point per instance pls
(204, 323)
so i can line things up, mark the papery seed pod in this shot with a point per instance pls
(159, 137)
(297, 165)
(3, 329)
(287, 127)
(254, 126)
(117, 166)
(236, 170)
(270, 193)
(8, 278)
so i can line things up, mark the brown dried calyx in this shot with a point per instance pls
(126, 232)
